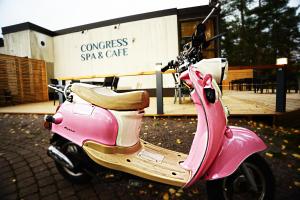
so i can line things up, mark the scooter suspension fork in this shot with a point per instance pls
(249, 177)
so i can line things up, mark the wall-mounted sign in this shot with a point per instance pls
(104, 49)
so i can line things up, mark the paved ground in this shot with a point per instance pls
(26, 172)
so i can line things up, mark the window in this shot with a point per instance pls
(187, 29)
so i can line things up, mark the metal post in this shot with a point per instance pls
(159, 89)
(61, 97)
(281, 89)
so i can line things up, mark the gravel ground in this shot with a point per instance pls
(26, 172)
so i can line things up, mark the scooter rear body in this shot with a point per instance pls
(84, 121)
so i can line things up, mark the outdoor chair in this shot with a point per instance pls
(7, 96)
(292, 85)
(180, 89)
(270, 84)
(55, 94)
(111, 82)
(234, 84)
(248, 82)
(264, 84)
(258, 84)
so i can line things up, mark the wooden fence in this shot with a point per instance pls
(22, 80)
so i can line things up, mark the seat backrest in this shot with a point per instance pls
(111, 82)
(54, 81)
(75, 81)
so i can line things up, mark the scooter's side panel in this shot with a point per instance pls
(237, 146)
(82, 121)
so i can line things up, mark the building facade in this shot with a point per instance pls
(129, 45)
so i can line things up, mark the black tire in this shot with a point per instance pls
(236, 186)
(77, 175)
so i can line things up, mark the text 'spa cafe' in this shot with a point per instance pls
(125, 46)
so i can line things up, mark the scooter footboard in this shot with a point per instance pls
(236, 148)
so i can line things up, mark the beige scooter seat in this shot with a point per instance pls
(106, 98)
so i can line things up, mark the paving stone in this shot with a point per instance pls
(39, 168)
(5, 168)
(81, 187)
(42, 174)
(71, 198)
(25, 152)
(12, 196)
(8, 189)
(51, 197)
(7, 175)
(22, 170)
(35, 163)
(53, 170)
(16, 160)
(87, 194)
(32, 189)
(26, 182)
(46, 181)
(11, 156)
(49, 189)
(58, 177)
(31, 157)
(63, 183)
(66, 192)
(93, 198)
(34, 196)
(24, 175)
(19, 164)
(47, 159)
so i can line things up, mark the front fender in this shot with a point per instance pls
(239, 144)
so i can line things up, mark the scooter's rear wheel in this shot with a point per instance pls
(237, 186)
(76, 175)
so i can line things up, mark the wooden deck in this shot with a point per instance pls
(239, 103)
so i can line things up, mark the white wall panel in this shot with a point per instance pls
(148, 42)
(39, 51)
(2, 50)
(17, 44)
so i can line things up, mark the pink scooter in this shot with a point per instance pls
(96, 127)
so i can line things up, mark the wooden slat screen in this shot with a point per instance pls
(22, 80)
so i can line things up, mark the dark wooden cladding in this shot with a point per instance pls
(22, 80)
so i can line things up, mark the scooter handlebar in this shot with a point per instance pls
(165, 68)
(58, 88)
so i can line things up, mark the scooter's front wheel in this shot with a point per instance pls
(252, 180)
